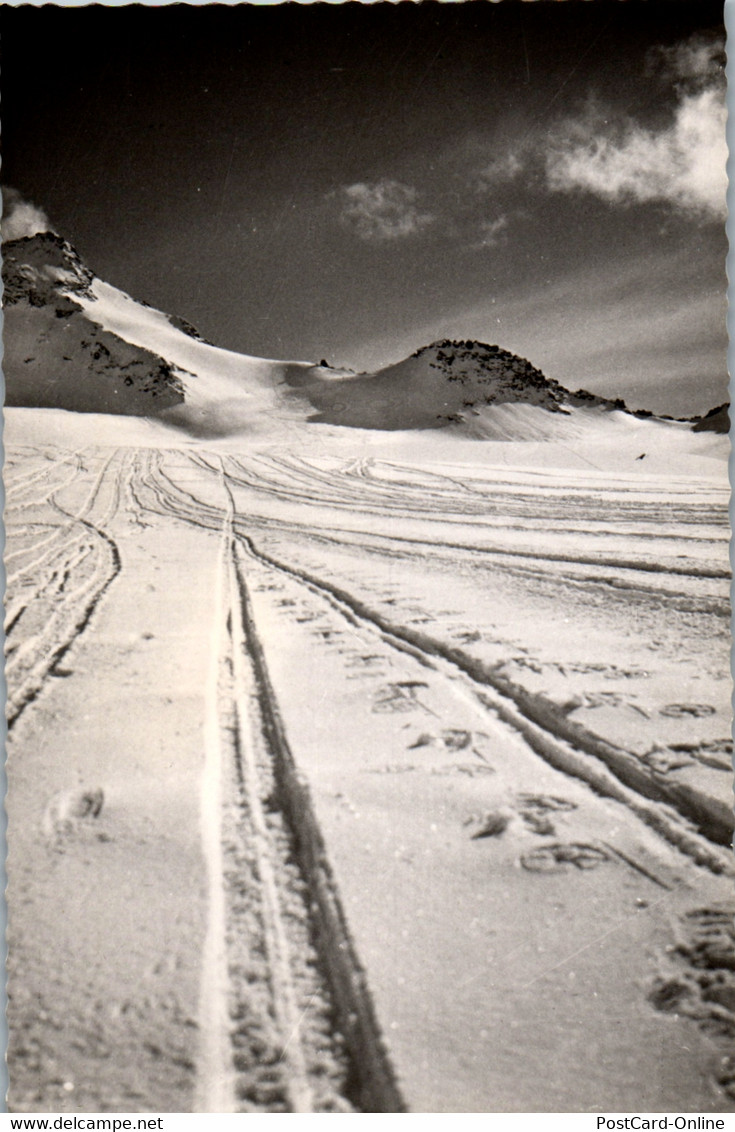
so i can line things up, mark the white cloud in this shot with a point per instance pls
(493, 232)
(385, 210)
(697, 62)
(20, 217)
(503, 169)
(683, 164)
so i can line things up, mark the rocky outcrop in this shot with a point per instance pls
(41, 269)
(448, 383)
(492, 375)
(55, 355)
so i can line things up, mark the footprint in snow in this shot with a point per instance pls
(680, 711)
(557, 858)
(491, 824)
(68, 811)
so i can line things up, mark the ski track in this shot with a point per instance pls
(270, 1014)
(285, 1016)
(443, 509)
(286, 1019)
(50, 617)
(608, 769)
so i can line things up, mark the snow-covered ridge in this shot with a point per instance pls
(74, 342)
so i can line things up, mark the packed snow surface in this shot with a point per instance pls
(501, 670)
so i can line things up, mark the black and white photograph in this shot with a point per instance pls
(367, 614)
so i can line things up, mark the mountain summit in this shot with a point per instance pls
(485, 374)
(55, 356)
(74, 342)
(35, 266)
(463, 384)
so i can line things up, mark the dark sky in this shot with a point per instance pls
(353, 181)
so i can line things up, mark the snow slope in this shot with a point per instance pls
(483, 767)
(224, 392)
(76, 343)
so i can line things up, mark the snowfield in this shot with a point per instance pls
(360, 772)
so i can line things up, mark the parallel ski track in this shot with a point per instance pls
(565, 745)
(60, 531)
(609, 770)
(17, 481)
(269, 1041)
(67, 607)
(405, 549)
(358, 491)
(291, 1071)
(498, 552)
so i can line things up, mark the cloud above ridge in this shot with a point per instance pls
(20, 217)
(382, 211)
(682, 164)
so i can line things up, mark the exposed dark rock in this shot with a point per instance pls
(36, 268)
(186, 328)
(45, 324)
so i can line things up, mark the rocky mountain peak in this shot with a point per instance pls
(56, 354)
(489, 374)
(38, 268)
